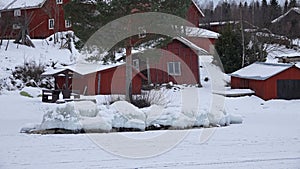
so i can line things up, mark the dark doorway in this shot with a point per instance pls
(288, 89)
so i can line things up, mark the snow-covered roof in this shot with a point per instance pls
(82, 68)
(16, 4)
(190, 44)
(295, 9)
(288, 55)
(261, 71)
(219, 23)
(4, 3)
(201, 33)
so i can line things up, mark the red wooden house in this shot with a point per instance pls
(179, 63)
(41, 18)
(269, 81)
(95, 79)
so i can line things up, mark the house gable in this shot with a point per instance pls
(194, 14)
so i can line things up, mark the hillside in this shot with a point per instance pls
(46, 53)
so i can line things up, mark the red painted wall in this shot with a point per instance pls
(203, 43)
(292, 73)
(194, 15)
(113, 81)
(176, 52)
(267, 89)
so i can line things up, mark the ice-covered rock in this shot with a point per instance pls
(86, 108)
(127, 115)
(62, 116)
(95, 124)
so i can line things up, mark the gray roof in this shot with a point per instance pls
(295, 9)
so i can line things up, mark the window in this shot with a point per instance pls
(136, 64)
(59, 1)
(0, 14)
(174, 68)
(16, 26)
(68, 23)
(51, 23)
(17, 12)
(142, 32)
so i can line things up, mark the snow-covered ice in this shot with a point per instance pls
(268, 138)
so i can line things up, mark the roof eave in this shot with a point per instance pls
(23, 8)
(198, 8)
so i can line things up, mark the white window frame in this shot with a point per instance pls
(17, 12)
(68, 24)
(174, 68)
(59, 1)
(16, 26)
(51, 23)
(136, 64)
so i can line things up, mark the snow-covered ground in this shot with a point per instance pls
(277, 51)
(268, 138)
(45, 52)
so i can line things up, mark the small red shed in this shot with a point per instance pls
(95, 79)
(268, 80)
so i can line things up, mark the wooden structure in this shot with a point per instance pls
(269, 81)
(91, 79)
(41, 18)
(288, 58)
(288, 24)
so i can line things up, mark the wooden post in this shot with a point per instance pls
(148, 71)
(128, 74)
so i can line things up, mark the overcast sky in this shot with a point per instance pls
(203, 2)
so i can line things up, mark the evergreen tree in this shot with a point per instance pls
(286, 6)
(293, 3)
(229, 48)
(275, 9)
(265, 14)
(89, 17)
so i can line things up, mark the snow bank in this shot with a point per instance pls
(183, 112)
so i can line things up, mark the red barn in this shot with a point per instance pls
(269, 81)
(95, 79)
(42, 18)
